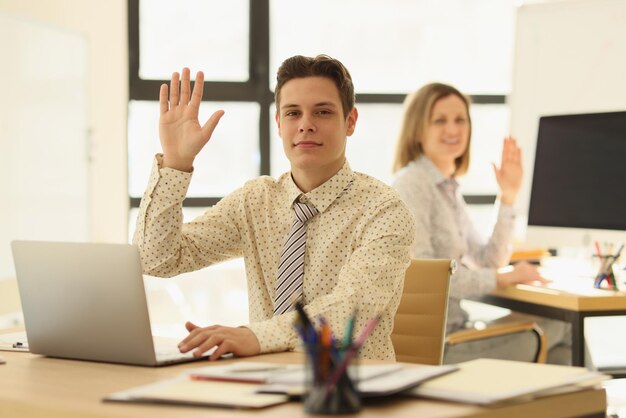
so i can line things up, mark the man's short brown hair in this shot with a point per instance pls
(300, 66)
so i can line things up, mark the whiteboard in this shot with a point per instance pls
(570, 57)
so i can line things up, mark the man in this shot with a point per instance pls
(352, 233)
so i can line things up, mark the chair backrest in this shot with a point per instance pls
(420, 323)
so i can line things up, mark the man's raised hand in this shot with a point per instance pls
(182, 137)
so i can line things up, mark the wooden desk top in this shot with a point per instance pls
(35, 386)
(575, 298)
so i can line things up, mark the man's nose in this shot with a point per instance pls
(306, 125)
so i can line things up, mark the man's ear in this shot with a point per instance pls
(351, 121)
(277, 119)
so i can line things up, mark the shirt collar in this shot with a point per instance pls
(324, 195)
(434, 174)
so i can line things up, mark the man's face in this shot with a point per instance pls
(312, 126)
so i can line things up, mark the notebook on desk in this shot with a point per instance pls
(87, 301)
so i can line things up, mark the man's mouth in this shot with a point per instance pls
(307, 144)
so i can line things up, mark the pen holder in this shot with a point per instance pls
(606, 272)
(331, 384)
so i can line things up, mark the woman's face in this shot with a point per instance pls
(447, 133)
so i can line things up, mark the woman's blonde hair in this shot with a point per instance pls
(418, 107)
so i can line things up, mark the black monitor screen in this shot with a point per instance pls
(579, 180)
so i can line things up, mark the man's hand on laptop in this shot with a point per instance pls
(239, 341)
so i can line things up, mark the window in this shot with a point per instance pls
(212, 38)
(390, 48)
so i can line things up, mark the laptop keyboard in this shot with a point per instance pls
(167, 353)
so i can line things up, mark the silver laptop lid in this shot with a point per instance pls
(84, 301)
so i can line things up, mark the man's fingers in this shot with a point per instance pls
(208, 344)
(192, 341)
(190, 326)
(198, 90)
(224, 348)
(201, 336)
(185, 87)
(174, 90)
(163, 104)
(209, 126)
(226, 339)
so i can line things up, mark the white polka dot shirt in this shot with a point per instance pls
(357, 248)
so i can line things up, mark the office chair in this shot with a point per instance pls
(420, 322)
(418, 334)
(496, 330)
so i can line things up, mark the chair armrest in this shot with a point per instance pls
(497, 330)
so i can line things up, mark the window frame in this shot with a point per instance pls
(255, 89)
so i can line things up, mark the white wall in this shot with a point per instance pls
(104, 26)
(570, 57)
(44, 137)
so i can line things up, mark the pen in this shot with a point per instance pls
(598, 252)
(354, 348)
(325, 348)
(347, 336)
(303, 316)
(304, 325)
(615, 258)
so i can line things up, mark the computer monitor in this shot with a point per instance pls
(578, 190)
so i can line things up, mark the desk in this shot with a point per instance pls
(572, 306)
(35, 386)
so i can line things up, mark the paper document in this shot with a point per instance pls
(282, 374)
(238, 385)
(182, 390)
(373, 379)
(406, 378)
(488, 381)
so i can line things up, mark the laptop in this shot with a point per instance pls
(87, 301)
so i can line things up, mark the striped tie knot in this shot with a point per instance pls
(304, 211)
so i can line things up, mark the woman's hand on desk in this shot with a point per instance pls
(239, 341)
(521, 272)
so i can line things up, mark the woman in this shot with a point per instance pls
(433, 150)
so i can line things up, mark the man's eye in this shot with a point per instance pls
(291, 113)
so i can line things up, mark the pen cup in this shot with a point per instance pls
(607, 273)
(331, 380)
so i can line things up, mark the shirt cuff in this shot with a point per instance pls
(168, 184)
(276, 334)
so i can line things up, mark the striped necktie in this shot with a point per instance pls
(291, 267)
